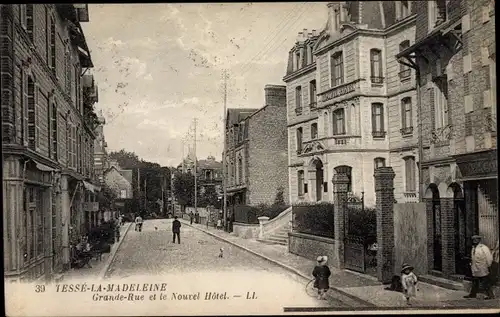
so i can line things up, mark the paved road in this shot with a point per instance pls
(152, 253)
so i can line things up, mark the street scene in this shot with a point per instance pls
(250, 158)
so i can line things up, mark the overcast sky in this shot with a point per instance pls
(158, 66)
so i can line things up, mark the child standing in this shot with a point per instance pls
(321, 274)
(409, 282)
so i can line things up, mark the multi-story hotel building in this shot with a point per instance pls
(47, 136)
(455, 57)
(351, 106)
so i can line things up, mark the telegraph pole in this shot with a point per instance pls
(195, 171)
(224, 163)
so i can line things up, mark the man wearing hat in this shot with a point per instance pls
(481, 260)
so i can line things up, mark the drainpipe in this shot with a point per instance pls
(420, 134)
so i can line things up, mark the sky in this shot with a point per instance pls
(159, 66)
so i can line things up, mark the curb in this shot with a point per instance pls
(112, 255)
(289, 268)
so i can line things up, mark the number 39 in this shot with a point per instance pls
(39, 288)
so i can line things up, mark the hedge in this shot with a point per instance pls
(250, 214)
(316, 219)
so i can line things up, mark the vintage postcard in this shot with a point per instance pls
(249, 158)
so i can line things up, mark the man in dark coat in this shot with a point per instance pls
(191, 217)
(176, 230)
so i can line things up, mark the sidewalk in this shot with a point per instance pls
(356, 288)
(98, 268)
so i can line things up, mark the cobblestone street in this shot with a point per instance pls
(151, 252)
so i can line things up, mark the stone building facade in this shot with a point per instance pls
(345, 93)
(47, 136)
(455, 58)
(256, 151)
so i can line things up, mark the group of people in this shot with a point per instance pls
(483, 276)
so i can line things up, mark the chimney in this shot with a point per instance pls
(304, 33)
(331, 16)
(275, 95)
(314, 33)
(300, 37)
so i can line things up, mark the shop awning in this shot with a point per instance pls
(43, 167)
(91, 187)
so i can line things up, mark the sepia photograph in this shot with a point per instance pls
(242, 158)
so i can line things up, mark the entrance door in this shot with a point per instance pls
(436, 222)
(460, 237)
(319, 181)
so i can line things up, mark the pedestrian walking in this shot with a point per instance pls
(321, 273)
(138, 223)
(176, 230)
(120, 220)
(191, 217)
(481, 260)
(409, 282)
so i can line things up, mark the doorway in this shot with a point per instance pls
(436, 225)
(461, 232)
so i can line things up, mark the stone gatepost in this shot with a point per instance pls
(340, 183)
(262, 221)
(384, 189)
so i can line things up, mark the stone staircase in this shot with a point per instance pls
(279, 236)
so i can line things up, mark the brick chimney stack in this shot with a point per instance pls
(275, 95)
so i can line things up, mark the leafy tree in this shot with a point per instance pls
(127, 160)
(106, 197)
(279, 200)
(209, 197)
(184, 189)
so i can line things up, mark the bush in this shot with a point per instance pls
(246, 214)
(315, 219)
(271, 211)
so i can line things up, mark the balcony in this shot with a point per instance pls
(313, 105)
(344, 142)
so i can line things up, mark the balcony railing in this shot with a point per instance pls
(298, 111)
(313, 105)
(406, 131)
(377, 80)
(379, 134)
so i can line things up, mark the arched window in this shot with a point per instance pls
(338, 122)
(347, 170)
(376, 66)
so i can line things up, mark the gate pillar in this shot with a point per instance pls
(340, 182)
(384, 189)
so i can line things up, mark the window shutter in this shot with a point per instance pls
(433, 109)
(334, 123)
(37, 117)
(29, 21)
(381, 117)
(374, 118)
(404, 124)
(49, 128)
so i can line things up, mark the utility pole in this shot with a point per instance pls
(139, 188)
(195, 171)
(145, 195)
(224, 163)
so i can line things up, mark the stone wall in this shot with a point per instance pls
(311, 247)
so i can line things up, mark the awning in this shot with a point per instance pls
(91, 187)
(44, 168)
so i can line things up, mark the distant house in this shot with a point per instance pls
(120, 182)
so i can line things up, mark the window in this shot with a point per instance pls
(301, 185)
(337, 19)
(406, 116)
(404, 70)
(23, 16)
(123, 193)
(379, 162)
(32, 114)
(378, 120)
(403, 9)
(376, 66)
(53, 129)
(299, 140)
(67, 70)
(410, 174)
(29, 21)
(240, 170)
(77, 89)
(347, 170)
(437, 13)
(24, 109)
(314, 131)
(297, 60)
(337, 72)
(325, 124)
(338, 122)
(312, 93)
(53, 46)
(298, 97)
(441, 102)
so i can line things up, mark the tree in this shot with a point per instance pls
(184, 189)
(209, 197)
(106, 197)
(127, 160)
(279, 200)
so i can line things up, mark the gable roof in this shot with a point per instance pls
(126, 174)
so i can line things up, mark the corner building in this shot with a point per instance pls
(351, 106)
(455, 56)
(47, 136)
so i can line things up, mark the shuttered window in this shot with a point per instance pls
(29, 21)
(406, 115)
(338, 122)
(337, 71)
(314, 131)
(410, 174)
(54, 131)
(377, 117)
(32, 114)
(53, 46)
(376, 66)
